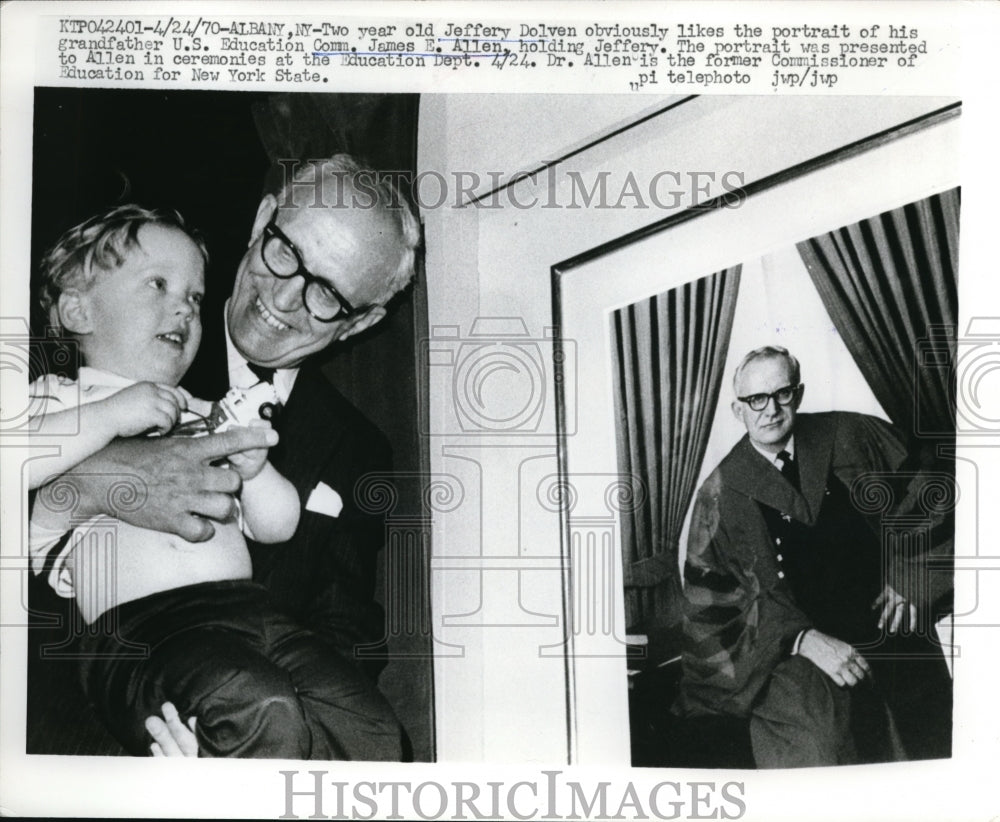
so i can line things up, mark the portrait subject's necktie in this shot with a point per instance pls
(789, 468)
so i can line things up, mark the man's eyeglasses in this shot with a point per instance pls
(282, 258)
(783, 396)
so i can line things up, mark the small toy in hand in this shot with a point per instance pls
(239, 407)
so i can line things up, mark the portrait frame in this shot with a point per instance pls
(769, 212)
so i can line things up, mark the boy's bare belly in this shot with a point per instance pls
(117, 563)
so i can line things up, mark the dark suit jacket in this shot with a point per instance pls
(741, 617)
(324, 576)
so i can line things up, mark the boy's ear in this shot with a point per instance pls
(74, 312)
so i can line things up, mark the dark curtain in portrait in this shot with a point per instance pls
(890, 283)
(671, 351)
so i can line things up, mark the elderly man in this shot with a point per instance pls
(786, 586)
(324, 258)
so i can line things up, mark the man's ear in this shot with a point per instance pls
(798, 395)
(265, 211)
(735, 405)
(73, 311)
(361, 322)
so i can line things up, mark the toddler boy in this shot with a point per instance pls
(179, 622)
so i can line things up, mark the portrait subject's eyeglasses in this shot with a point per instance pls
(282, 258)
(783, 396)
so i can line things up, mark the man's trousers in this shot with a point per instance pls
(258, 684)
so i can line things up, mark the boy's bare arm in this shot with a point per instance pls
(62, 440)
(270, 506)
(270, 502)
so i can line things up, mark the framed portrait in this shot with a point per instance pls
(847, 259)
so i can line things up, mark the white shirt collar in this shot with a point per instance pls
(240, 375)
(87, 376)
(773, 458)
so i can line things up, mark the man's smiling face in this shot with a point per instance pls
(351, 248)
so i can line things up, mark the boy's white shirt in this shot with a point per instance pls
(324, 500)
(51, 393)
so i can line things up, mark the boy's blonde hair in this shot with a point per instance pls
(100, 242)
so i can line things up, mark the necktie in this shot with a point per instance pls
(261, 372)
(789, 468)
(268, 410)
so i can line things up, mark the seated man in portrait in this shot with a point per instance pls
(797, 618)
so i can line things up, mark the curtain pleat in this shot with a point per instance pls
(671, 351)
(890, 283)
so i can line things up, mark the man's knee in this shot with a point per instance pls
(798, 680)
(253, 714)
(360, 725)
(802, 719)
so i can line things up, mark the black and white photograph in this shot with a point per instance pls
(761, 596)
(719, 350)
(445, 413)
(219, 174)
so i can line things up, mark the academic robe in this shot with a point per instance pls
(742, 617)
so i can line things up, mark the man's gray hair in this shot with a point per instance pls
(346, 182)
(768, 352)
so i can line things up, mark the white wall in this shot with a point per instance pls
(505, 700)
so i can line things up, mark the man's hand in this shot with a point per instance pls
(171, 736)
(896, 611)
(166, 484)
(838, 660)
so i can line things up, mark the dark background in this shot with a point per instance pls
(211, 156)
